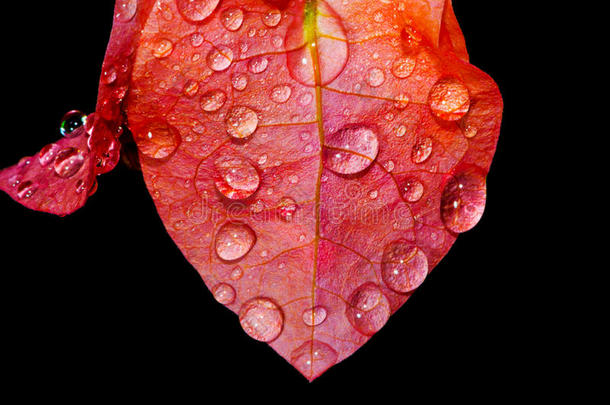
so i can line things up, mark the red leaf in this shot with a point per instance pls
(313, 160)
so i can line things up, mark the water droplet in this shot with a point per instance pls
(196, 10)
(197, 39)
(258, 64)
(375, 77)
(163, 48)
(109, 75)
(400, 131)
(126, 10)
(389, 166)
(463, 200)
(351, 149)
(314, 316)
(157, 139)
(422, 149)
(239, 81)
(71, 121)
(241, 122)
(262, 159)
(272, 18)
(281, 94)
(313, 358)
(237, 273)
(261, 319)
(220, 58)
(224, 293)
(368, 309)
(68, 162)
(305, 99)
(412, 190)
(373, 194)
(26, 189)
(80, 186)
(403, 67)
(47, 154)
(236, 178)
(234, 240)
(232, 18)
(401, 101)
(403, 266)
(449, 99)
(213, 100)
(191, 88)
(286, 209)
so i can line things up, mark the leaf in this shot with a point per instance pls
(313, 160)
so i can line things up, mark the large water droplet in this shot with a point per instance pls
(232, 18)
(313, 358)
(463, 200)
(70, 122)
(157, 139)
(235, 178)
(449, 99)
(368, 309)
(234, 241)
(258, 64)
(224, 293)
(286, 209)
(213, 100)
(403, 266)
(220, 58)
(422, 149)
(281, 94)
(196, 10)
(261, 319)
(241, 122)
(68, 162)
(351, 149)
(403, 67)
(314, 316)
(125, 10)
(163, 48)
(26, 189)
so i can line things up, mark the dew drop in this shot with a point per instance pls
(314, 316)
(224, 293)
(47, 154)
(389, 166)
(368, 309)
(400, 131)
(412, 190)
(241, 122)
(449, 99)
(191, 88)
(422, 149)
(262, 159)
(157, 139)
(272, 18)
(196, 10)
(213, 100)
(126, 10)
(258, 64)
(197, 39)
(375, 77)
(239, 81)
(281, 94)
(401, 101)
(373, 194)
(26, 189)
(403, 266)
(71, 121)
(163, 48)
(68, 162)
(313, 358)
(351, 149)
(220, 58)
(286, 209)
(403, 67)
(80, 186)
(234, 240)
(237, 273)
(109, 75)
(261, 319)
(235, 178)
(463, 200)
(232, 18)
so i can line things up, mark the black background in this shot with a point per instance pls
(103, 298)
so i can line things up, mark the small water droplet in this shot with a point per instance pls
(286, 209)
(224, 293)
(191, 88)
(463, 200)
(236, 178)
(401, 101)
(109, 75)
(400, 131)
(261, 319)
(373, 194)
(157, 139)
(272, 18)
(262, 159)
(421, 150)
(241, 122)
(213, 100)
(47, 154)
(220, 58)
(26, 189)
(232, 18)
(351, 149)
(239, 81)
(449, 99)
(313, 358)
(375, 77)
(196, 10)
(80, 186)
(125, 10)
(237, 273)
(389, 166)
(403, 266)
(403, 67)
(412, 190)
(305, 99)
(234, 240)
(163, 48)
(281, 94)
(197, 39)
(68, 162)
(71, 121)
(368, 309)
(314, 316)
(258, 64)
